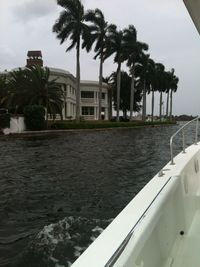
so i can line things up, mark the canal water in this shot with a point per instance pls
(58, 192)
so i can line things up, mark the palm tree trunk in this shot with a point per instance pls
(132, 92)
(100, 83)
(152, 105)
(118, 88)
(144, 102)
(170, 113)
(160, 105)
(78, 81)
(167, 107)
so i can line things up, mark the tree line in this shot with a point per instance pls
(87, 29)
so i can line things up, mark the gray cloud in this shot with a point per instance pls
(30, 10)
(7, 56)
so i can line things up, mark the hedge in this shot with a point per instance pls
(4, 120)
(99, 125)
(34, 117)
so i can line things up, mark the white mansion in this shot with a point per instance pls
(89, 108)
(89, 96)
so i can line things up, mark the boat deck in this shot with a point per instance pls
(187, 247)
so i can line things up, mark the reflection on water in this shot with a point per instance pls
(82, 179)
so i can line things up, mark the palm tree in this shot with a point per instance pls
(43, 91)
(143, 73)
(33, 86)
(161, 80)
(108, 81)
(116, 47)
(17, 90)
(71, 25)
(132, 61)
(133, 54)
(168, 89)
(100, 29)
(174, 87)
(151, 83)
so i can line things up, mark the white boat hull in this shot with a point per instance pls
(159, 227)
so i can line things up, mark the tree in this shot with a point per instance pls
(116, 47)
(168, 89)
(71, 25)
(132, 61)
(18, 94)
(133, 54)
(125, 93)
(44, 91)
(161, 83)
(108, 81)
(174, 87)
(32, 86)
(143, 72)
(3, 92)
(99, 35)
(151, 81)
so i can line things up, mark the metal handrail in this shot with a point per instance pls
(183, 137)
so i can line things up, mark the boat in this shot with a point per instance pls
(160, 226)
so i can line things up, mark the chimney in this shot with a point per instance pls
(34, 58)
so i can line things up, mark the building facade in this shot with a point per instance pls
(89, 96)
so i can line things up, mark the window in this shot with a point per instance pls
(65, 110)
(87, 110)
(103, 96)
(87, 94)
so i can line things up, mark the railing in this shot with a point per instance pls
(183, 137)
(88, 100)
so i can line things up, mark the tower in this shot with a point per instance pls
(34, 58)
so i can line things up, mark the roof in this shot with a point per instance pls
(87, 82)
(61, 71)
(34, 53)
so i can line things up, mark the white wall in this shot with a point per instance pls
(17, 125)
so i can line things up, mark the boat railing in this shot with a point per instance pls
(182, 129)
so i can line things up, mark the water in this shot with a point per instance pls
(59, 191)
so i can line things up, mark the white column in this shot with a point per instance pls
(63, 111)
(71, 109)
(106, 113)
(97, 113)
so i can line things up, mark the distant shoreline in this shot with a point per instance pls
(73, 127)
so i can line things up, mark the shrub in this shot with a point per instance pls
(34, 117)
(4, 120)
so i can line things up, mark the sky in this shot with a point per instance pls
(164, 25)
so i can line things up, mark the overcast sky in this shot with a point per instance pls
(164, 24)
